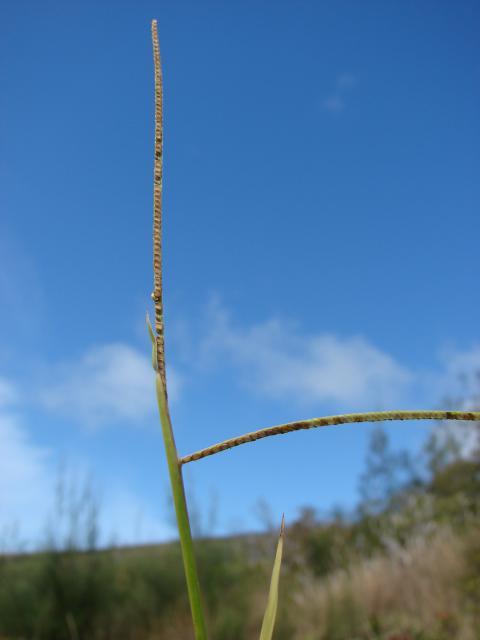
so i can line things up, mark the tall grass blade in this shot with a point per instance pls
(271, 610)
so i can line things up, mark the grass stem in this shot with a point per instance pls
(183, 523)
(347, 418)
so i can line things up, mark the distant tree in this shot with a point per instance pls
(386, 474)
(452, 441)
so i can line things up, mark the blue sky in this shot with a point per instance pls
(321, 201)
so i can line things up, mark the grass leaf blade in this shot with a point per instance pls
(271, 610)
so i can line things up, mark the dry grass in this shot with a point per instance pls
(409, 590)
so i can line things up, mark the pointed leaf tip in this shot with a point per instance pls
(154, 342)
(271, 611)
(150, 328)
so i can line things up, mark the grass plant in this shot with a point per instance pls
(174, 461)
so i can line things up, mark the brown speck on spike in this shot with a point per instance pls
(282, 526)
(157, 294)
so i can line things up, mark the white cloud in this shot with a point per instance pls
(346, 81)
(8, 393)
(459, 384)
(30, 474)
(462, 375)
(333, 103)
(112, 514)
(277, 361)
(110, 383)
(25, 484)
(20, 287)
(336, 101)
(126, 518)
(28, 483)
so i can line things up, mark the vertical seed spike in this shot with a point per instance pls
(157, 294)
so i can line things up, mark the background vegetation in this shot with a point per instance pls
(404, 566)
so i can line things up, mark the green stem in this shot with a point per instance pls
(181, 511)
(347, 418)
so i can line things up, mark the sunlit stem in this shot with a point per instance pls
(181, 512)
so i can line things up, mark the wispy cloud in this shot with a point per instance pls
(277, 361)
(126, 518)
(25, 482)
(28, 485)
(110, 383)
(8, 393)
(334, 103)
(21, 291)
(346, 81)
(461, 378)
(459, 384)
(336, 100)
